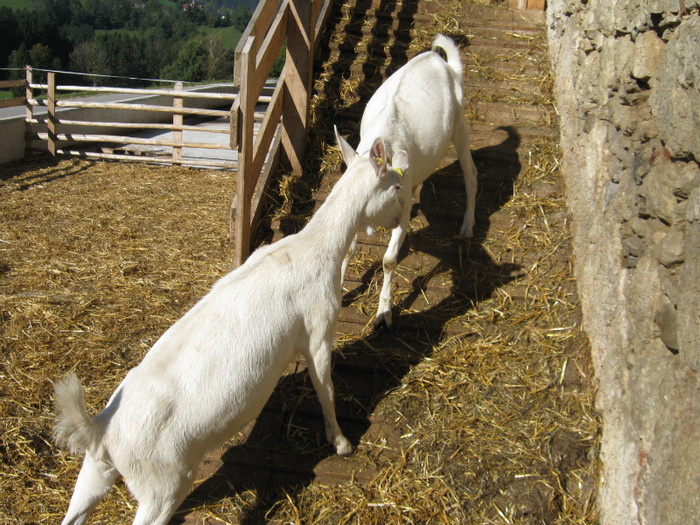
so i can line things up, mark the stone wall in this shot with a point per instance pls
(627, 79)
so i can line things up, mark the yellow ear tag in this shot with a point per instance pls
(379, 161)
(400, 171)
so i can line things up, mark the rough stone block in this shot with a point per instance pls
(675, 101)
(648, 49)
(689, 303)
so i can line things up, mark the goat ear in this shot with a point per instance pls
(400, 161)
(378, 156)
(346, 150)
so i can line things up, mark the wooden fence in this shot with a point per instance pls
(284, 129)
(11, 102)
(59, 143)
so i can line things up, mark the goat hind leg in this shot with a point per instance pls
(94, 481)
(159, 499)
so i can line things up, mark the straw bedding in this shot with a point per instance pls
(493, 423)
(97, 260)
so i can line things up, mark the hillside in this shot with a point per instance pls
(123, 38)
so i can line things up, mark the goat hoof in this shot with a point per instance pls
(383, 321)
(466, 233)
(343, 447)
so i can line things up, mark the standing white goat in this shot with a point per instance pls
(419, 110)
(215, 368)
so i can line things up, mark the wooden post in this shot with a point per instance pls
(298, 76)
(29, 109)
(28, 94)
(240, 208)
(51, 109)
(178, 103)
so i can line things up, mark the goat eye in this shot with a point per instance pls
(397, 187)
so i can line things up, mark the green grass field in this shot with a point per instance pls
(229, 35)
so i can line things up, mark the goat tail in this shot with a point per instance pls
(454, 60)
(74, 429)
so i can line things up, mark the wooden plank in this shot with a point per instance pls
(235, 124)
(322, 11)
(270, 48)
(4, 84)
(51, 105)
(137, 107)
(137, 125)
(266, 173)
(240, 207)
(28, 95)
(178, 104)
(81, 137)
(12, 102)
(258, 25)
(143, 91)
(146, 159)
(268, 127)
(298, 76)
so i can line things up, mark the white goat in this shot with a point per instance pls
(419, 110)
(215, 368)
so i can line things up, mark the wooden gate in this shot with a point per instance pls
(283, 133)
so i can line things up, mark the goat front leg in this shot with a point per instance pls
(346, 261)
(319, 364)
(388, 264)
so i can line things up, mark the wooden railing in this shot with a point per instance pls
(59, 143)
(283, 132)
(16, 101)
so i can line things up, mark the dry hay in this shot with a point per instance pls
(96, 261)
(495, 425)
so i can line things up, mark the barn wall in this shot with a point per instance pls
(626, 82)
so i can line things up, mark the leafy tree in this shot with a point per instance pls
(219, 63)
(11, 37)
(240, 17)
(86, 35)
(190, 64)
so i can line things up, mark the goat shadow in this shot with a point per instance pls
(287, 441)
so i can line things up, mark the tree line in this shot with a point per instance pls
(128, 38)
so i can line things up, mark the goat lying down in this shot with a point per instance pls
(214, 369)
(419, 110)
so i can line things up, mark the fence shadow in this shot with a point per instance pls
(28, 173)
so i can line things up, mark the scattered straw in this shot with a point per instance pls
(490, 418)
(96, 261)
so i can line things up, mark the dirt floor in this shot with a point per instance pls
(492, 424)
(97, 260)
(477, 408)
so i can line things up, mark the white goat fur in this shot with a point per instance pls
(419, 109)
(214, 369)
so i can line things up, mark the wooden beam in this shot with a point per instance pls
(178, 104)
(240, 207)
(298, 76)
(12, 102)
(51, 108)
(258, 25)
(4, 84)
